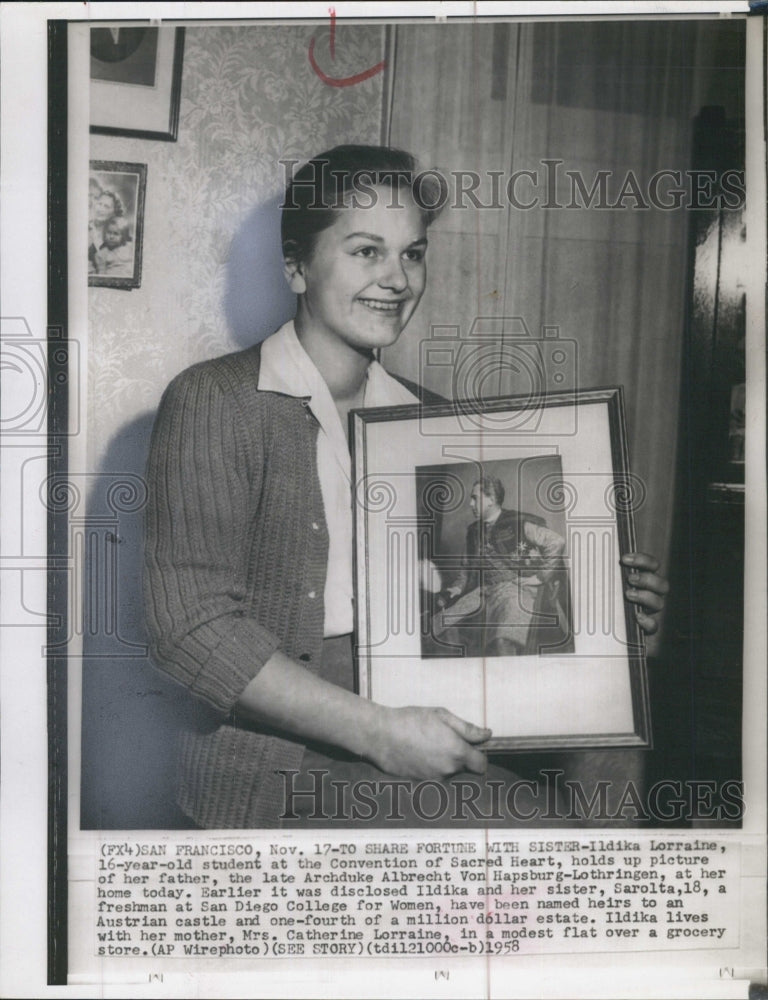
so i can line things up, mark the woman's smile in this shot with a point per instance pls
(381, 306)
(365, 276)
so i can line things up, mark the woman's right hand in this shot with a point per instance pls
(426, 743)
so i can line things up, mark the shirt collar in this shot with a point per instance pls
(287, 368)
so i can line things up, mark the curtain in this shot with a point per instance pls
(560, 100)
(613, 97)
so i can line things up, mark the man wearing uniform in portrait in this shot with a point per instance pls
(511, 596)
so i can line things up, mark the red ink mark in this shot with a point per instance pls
(344, 81)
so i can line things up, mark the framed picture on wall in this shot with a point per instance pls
(489, 538)
(136, 81)
(115, 223)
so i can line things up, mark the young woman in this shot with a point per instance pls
(249, 526)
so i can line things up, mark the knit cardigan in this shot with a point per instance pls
(236, 549)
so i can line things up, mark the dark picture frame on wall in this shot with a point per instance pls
(136, 81)
(116, 193)
(488, 537)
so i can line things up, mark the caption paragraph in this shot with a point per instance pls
(252, 898)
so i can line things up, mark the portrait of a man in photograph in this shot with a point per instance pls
(508, 593)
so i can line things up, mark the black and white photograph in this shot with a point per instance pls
(398, 542)
(509, 226)
(135, 74)
(494, 577)
(125, 55)
(504, 596)
(116, 193)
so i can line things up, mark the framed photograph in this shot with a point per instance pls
(488, 576)
(115, 223)
(136, 81)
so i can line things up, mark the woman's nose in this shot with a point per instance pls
(393, 275)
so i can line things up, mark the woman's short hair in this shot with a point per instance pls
(117, 204)
(492, 488)
(321, 185)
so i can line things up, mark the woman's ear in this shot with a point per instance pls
(294, 275)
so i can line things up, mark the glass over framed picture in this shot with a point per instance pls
(116, 193)
(489, 537)
(136, 80)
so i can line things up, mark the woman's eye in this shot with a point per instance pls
(365, 252)
(414, 255)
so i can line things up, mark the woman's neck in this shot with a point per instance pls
(344, 369)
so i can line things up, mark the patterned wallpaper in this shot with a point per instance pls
(211, 277)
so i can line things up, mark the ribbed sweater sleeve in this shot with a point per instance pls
(199, 479)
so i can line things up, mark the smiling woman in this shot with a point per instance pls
(249, 525)
(359, 273)
(361, 286)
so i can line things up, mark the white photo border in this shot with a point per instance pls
(385, 663)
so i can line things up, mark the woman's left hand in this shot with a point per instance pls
(645, 588)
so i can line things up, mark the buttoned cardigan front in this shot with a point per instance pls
(236, 549)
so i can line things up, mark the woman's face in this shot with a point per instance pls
(367, 273)
(103, 207)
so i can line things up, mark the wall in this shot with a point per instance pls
(212, 279)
